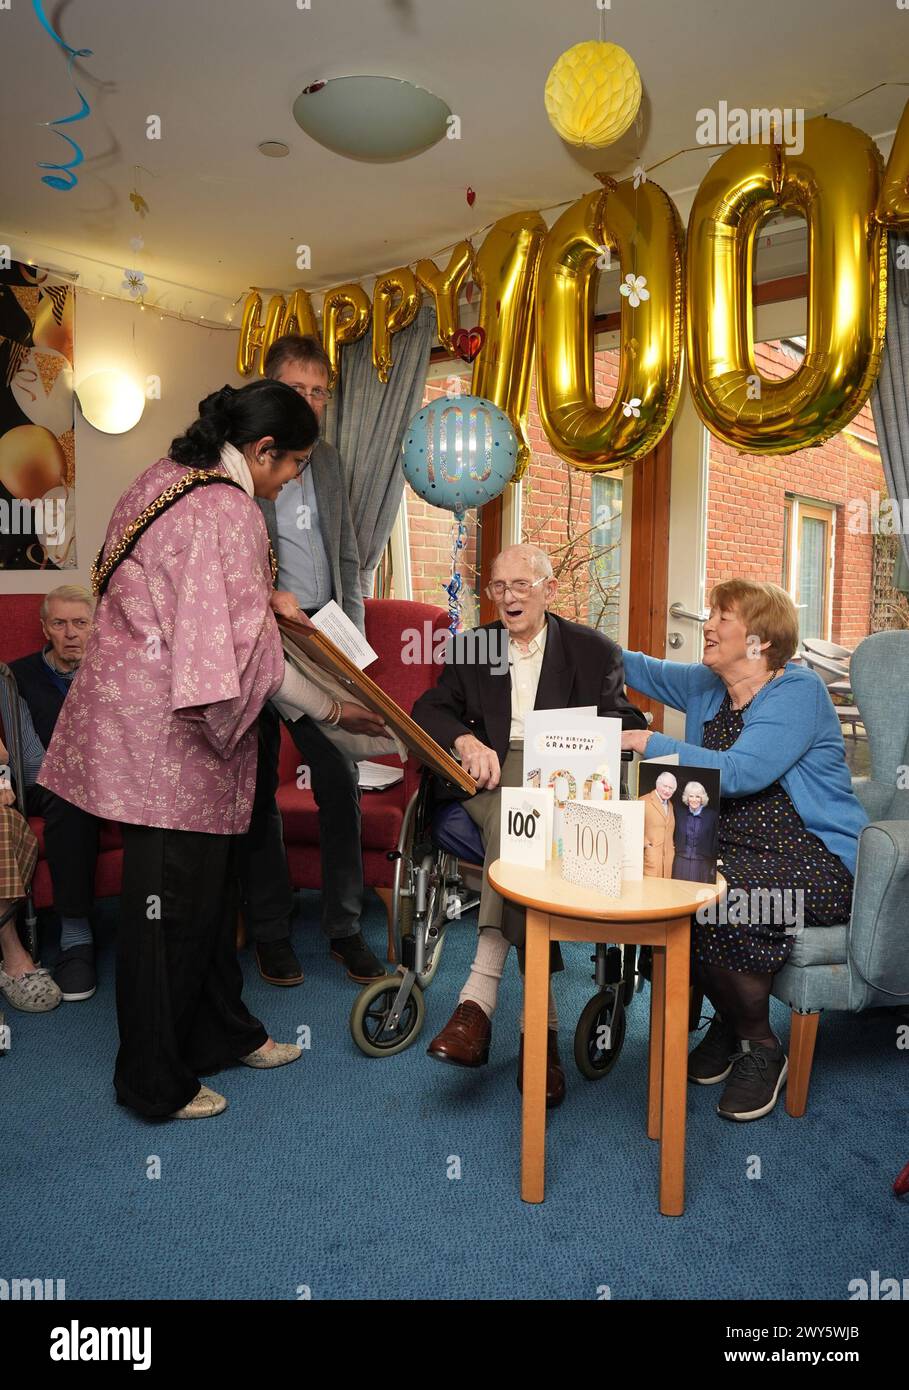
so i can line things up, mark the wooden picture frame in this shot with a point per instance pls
(310, 647)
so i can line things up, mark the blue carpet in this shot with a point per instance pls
(331, 1175)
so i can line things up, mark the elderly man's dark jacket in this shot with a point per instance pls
(580, 667)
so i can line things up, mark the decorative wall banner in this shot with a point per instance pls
(37, 464)
(538, 283)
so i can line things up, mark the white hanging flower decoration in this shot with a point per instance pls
(136, 243)
(640, 176)
(632, 407)
(134, 282)
(635, 287)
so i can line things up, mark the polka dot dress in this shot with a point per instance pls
(764, 845)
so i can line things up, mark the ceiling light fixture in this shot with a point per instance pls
(371, 118)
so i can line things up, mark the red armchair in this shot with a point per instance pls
(387, 622)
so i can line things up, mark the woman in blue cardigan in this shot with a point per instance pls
(789, 822)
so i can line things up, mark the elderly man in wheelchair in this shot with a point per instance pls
(528, 659)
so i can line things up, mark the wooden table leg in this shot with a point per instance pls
(536, 1000)
(655, 1059)
(675, 1069)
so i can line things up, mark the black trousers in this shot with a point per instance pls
(266, 891)
(179, 984)
(71, 841)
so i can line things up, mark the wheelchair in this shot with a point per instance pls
(428, 894)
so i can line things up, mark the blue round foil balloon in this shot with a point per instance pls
(459, 452)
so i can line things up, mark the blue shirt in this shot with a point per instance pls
(791, 734)
(303, 565)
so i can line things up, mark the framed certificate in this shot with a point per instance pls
(317, 657)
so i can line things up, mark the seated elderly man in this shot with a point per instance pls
(528, 659)
(789, 821)
(70, 834)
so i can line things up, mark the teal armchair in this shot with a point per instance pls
(863, 963)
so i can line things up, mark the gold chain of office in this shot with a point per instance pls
(102, 570)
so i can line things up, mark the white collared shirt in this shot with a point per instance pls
(524, 667)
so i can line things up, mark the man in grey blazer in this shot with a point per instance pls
(312, 533)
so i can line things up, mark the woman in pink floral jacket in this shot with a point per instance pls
(159, 733)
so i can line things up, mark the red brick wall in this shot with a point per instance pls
(745, 509)
(552, 492)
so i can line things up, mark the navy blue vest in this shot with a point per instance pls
(42, 690)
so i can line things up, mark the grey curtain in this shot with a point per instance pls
(890, 397)
(366, 423)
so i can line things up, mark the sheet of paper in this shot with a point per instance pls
(577, 753)
(523, 838)
(334, 622)
(378, 776)
(593, 851)
(632, 814)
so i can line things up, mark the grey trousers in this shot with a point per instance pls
(485, 810)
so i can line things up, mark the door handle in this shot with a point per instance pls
(678, 611)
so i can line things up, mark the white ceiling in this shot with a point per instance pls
(223, 74)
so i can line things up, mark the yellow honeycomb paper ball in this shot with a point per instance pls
(593, 93)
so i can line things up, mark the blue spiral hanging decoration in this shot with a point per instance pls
(455, 584)
(64, 178)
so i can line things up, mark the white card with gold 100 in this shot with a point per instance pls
(526, 826)
(592, 850)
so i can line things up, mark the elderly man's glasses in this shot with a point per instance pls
(519, 587)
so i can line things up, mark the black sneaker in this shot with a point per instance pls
(710, 1062)
(74, 974)
(353, 952)
(758, 1073)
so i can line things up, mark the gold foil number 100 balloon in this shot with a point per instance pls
(834, 185)
(642, 227)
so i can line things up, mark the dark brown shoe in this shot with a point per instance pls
(555, 1072)
(464, 1041)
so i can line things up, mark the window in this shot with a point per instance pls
(605, 559)
(807, 570)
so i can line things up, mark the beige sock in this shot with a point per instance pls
(482, 986)
(552, 1017)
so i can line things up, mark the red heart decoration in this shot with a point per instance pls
(471, 197)
(467, 342)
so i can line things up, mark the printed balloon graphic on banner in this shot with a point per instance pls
(37, 453)
(459, 452)
(42, 387)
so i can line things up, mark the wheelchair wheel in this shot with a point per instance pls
(591, 1058)
(369, 1025)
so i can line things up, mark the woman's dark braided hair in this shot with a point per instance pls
(241, 415)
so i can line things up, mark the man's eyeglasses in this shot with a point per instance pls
(519, 587)
(315, 393)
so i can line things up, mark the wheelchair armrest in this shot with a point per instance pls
(878, 931)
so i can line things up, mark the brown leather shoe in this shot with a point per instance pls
(464, 1041)
(555, 1072)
